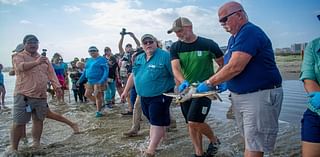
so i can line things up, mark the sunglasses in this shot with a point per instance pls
(225, 19)
(93, 51)
(148, 42)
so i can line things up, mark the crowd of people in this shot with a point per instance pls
(142, 74)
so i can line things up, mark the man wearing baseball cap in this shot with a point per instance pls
(33, 71)
(152, 75)
(192, 61)
(96, 72)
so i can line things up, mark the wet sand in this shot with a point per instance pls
(103, 136)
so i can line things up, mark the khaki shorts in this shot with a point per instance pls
(95, 87)
(257, 117)
(39, 107)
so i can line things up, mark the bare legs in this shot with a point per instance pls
(310, 149)
(196, 130)
(60, 118)
(2, 95)
(156, 134)
(18, 131)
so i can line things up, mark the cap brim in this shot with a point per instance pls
(173, 29)
(147, 38)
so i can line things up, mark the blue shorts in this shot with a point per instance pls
(310, 127)
(156, 109)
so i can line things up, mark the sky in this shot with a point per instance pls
(70, 27)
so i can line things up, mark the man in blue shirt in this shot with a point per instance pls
(152, 76)
(253, 79)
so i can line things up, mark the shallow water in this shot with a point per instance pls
(103, 136)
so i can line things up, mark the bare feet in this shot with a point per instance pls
(75, 128)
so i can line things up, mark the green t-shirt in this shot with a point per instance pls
(196, 59)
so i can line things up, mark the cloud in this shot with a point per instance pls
(112, 16)
(11, 2)
(71, 9)
(25, 22)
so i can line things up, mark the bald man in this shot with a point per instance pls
(252, 78)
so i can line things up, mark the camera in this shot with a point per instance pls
(123, 32)
(44, 52)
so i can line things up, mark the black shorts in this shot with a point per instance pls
(196, 110)
(156, 109)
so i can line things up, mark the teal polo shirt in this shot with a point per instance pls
(310, 68)
(153, 77)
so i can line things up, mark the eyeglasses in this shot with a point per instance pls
(148, 42)
(32, 42)
(225, 19)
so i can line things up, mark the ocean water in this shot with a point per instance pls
(103, 136)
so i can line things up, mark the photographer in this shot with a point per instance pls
(126, 67)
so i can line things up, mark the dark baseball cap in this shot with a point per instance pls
(30, 37)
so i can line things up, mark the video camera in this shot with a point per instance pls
(123, 32)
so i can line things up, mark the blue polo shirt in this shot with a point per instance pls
(261, 72)
(153, 77)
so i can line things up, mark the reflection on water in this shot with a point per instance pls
(103, 136)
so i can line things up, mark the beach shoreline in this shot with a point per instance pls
(103, 136)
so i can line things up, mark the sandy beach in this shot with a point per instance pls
(103, 136)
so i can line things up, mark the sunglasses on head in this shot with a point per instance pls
(148, 42)
(225, 19)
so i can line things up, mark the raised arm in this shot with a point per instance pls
(135, 39)
(121, 50)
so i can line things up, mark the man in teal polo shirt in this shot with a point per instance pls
(152, 76)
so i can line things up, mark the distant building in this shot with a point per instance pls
(298, 47)
(285, 50)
